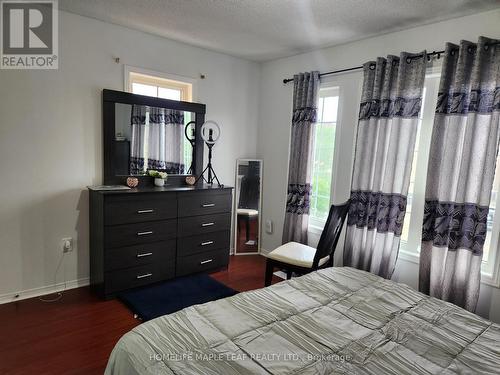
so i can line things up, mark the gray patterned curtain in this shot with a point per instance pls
(138, 162)
(460, 172)
(305, 102)
(157, 140)
(387, 128)
(166, 135)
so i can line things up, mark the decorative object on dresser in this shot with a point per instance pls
(190, 180)
(132, 182)
(160, 178)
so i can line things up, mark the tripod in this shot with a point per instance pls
(211, 173)
(191, 167)
(192, 142)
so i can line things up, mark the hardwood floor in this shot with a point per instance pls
(76, 334)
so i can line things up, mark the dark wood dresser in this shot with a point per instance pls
(145, 235)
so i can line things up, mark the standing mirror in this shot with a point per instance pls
(248, 200)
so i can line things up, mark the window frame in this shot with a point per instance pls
(315, 225)
(186, 85)
(410, 249)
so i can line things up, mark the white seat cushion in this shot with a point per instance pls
(297, 254)
(247, 212)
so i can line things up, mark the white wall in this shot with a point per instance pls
(51, 138)
(275, 114)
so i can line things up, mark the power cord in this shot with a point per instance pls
(58, 295)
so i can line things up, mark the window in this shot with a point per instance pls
(150, 85)
(490, 250)
(324, 140)
(156, 84)
(411, 188)
(412, 226)
(411, 236)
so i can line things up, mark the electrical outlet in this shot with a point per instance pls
(269, 226)
(67, 244)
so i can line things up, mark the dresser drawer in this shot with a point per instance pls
(138, 255)
(139, 233)
(203, 204)
(203, 243)
(137, 276)
(125, 209)
(193, 225)
(202, 262)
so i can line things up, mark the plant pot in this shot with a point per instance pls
(160, 182)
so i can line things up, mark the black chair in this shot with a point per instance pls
(300, 258)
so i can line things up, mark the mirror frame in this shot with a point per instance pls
(259, 225)
(110, 98)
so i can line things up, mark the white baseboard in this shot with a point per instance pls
(44, 290)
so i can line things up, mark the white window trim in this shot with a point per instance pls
(127, 69)
(315, 226)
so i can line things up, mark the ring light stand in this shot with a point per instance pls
(192, 141)
(210, 133)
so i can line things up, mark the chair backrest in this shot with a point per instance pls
(331, 232)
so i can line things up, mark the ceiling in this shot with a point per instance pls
(263, 30)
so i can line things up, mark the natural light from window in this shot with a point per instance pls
(159, 87)
(491, 214)
(411, 188)
(324, 141)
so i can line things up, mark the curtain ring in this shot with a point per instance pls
(486, 47)
(372, 66)
(408, 60)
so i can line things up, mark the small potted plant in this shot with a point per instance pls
(160, 177)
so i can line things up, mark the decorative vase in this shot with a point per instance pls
(132, 182)
(190, 180)
(160, 182)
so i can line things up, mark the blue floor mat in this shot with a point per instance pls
(170, 296)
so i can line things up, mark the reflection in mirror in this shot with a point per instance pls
(248, 205)
(152, 138)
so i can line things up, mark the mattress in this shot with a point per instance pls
(334, 321)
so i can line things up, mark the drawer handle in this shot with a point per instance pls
(207, 224)
(145, 233)
(208, 205)
(206, 243)
(144, 255)
(144, 276)
(206, 261)
(149, 211)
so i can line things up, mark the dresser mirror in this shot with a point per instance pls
(248, 202)
(152, 138)
(144, 133)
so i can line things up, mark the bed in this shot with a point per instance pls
(334, 321)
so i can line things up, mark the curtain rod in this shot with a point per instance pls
(372, 66)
